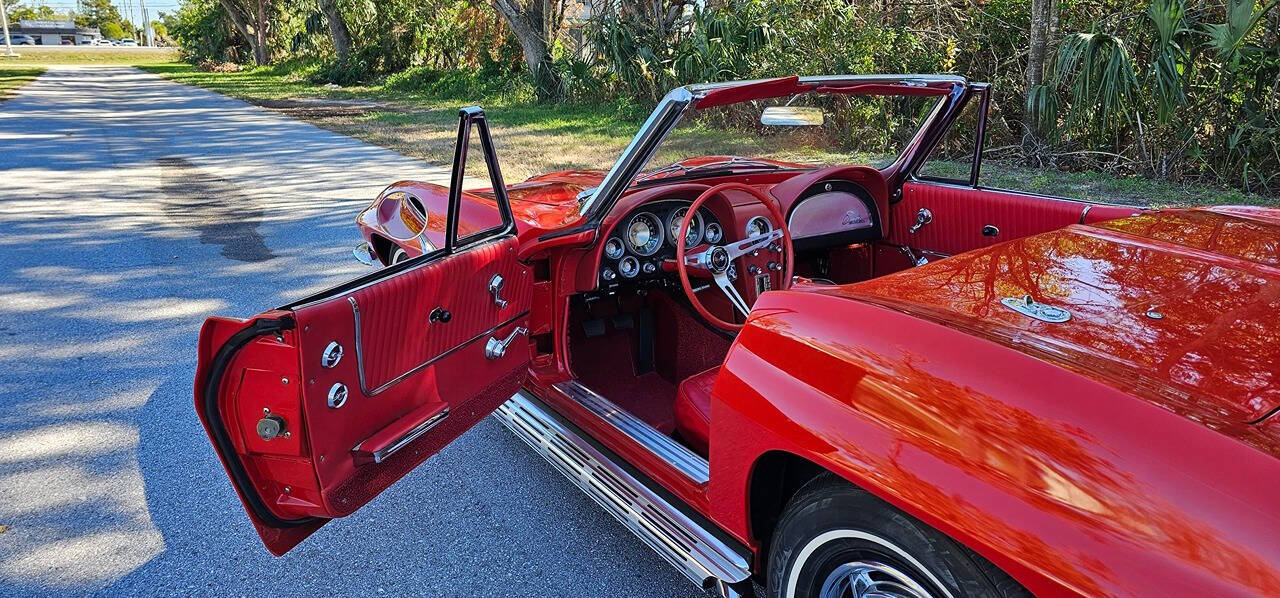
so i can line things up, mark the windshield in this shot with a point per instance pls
(808, 130)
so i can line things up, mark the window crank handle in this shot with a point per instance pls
(923, 217)
(495, 348)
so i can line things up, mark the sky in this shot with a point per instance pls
(125, 6)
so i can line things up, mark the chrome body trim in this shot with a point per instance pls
(637, 153)
(686, 545)
(678, 101)
(381, 455)
(687, 462)
(364, 387)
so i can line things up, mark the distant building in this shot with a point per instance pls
(56, 33)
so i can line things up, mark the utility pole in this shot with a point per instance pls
(146, 24)
(4, 20)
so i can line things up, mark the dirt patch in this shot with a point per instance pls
(323, 108)
(213, 207)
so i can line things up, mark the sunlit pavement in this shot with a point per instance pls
(131, 208)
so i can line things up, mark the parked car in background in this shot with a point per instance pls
(102, 41)
(127, 42)
(786, 338)
(22, 39)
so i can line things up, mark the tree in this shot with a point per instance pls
(97, 13)
(337, 29)
(535, 24)
(20, 12)
(249, 17)
(112, 31)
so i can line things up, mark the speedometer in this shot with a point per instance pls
(673, 228)
(644, 234)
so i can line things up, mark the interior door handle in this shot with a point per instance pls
(495, 289)
(495, 348)
(923, 217)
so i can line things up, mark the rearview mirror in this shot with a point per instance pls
(792, 116)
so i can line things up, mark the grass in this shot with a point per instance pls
(104, 55)
(11, 78)
(535, 138)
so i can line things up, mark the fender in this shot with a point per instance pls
(1054, 477)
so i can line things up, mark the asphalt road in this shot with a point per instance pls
(130, 209)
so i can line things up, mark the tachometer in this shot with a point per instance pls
(644, 234)
(673, 227)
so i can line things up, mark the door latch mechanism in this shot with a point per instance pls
(495, 348)
(495, 289)
(923, 217)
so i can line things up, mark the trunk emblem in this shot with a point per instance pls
(1026, 306)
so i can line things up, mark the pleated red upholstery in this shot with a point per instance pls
(416, 363)
(959, 213)
(396, 333)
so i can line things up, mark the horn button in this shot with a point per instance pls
(718, 260)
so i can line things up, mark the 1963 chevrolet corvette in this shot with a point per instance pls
(828, 370)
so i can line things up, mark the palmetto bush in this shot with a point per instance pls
(1187, 94)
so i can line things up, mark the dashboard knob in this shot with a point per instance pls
(649, 268)
(608, 274)
(755, 253)
(753, 269)
(775, 266)
(775, 247)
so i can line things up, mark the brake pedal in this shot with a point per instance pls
(593, 328)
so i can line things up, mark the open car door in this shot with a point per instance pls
(317, 407)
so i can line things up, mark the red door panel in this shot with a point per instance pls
(412, 384)
(960, 213)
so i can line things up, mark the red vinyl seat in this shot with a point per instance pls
(693, 409)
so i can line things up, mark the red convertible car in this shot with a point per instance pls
(824, 369)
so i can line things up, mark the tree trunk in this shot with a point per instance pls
(260, 53)
(337, 28)
(1038, 38)
(240, 19)
(531, 28)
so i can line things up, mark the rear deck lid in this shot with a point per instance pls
(1179, 307)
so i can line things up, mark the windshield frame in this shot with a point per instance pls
(598, 201)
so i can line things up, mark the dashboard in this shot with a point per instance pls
(637, 246)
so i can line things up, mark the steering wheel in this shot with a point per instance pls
(714, 260)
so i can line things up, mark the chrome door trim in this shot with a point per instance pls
(687, 462)
(381, 455)
(684, 543)
(364, 388)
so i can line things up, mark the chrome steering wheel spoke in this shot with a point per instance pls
(726, 286)
(745, 246)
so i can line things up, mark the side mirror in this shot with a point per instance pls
(792, 116)
(364, 255)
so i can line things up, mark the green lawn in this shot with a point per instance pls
(11, 78)
(105, 55)
(534, 138)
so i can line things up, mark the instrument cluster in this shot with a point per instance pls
(636, 248)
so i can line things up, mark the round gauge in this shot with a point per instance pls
(644, 234)
(758, 225)
(714, 233)
(613, 248)
(629, 267)
(673, 227)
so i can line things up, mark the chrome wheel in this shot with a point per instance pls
(870, 579)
